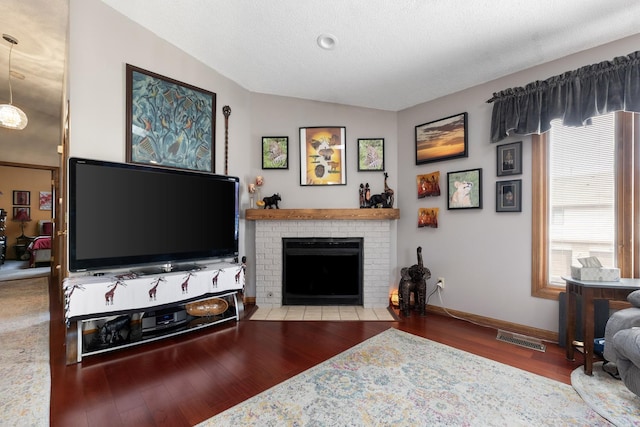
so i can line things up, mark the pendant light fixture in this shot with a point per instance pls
(11, 117)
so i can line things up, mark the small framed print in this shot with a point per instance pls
(509, 159)
(275, 152)
(371, 154)
(465, 189)
(323, 156)
(428, 217)
(509, 196)
(428, 185)
(21, 213)
(45, 200)
(21, 197)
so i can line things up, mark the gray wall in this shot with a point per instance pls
(484, 255)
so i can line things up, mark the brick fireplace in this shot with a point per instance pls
(372, 225)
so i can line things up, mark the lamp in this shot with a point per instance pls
(11, 117)
(395, 301)
(23, 217)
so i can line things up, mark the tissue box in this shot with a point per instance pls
(596, 274)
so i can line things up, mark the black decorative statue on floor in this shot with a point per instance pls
(414, 279)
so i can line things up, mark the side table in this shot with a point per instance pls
(22, 242)
(591, 291)
(20, 251)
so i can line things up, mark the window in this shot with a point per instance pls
(583, 199)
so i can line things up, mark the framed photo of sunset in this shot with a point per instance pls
(442, 139)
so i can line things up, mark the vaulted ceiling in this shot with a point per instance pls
(388, 55)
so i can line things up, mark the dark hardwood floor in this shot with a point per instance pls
(181, 381)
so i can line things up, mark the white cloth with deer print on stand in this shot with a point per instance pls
(96, 296)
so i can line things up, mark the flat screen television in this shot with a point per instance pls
(125, 215)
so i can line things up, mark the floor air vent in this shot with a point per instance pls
(521, 340)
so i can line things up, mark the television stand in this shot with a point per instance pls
(123, 300)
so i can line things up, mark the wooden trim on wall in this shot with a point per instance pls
(539, 220)
(636, 202)
(488, 322)
(624, 194)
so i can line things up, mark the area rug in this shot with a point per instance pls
(607, 396)
(25, 379)
(397, 378)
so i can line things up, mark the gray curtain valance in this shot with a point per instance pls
(574, 96)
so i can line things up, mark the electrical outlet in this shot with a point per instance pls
(441, 282)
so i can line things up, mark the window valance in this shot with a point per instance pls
(574, 96)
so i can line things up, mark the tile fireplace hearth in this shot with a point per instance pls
(372, 225)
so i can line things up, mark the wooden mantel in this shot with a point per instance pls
(321, 214)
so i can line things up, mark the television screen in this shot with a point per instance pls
(123, 215)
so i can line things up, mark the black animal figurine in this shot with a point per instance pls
(272, 201)
(110, 331)
(413, 279)
(383, 200)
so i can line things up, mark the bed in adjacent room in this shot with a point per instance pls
(40, 248)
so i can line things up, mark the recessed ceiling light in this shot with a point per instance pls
(327, 41)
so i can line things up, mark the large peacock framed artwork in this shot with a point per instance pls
(169, 123)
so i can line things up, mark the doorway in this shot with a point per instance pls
(31, 190)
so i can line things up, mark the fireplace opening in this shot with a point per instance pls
(322, 271)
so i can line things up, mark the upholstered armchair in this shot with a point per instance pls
(622, 343)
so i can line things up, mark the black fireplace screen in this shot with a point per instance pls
(322, 271)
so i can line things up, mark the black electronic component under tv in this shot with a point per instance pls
(125, 215)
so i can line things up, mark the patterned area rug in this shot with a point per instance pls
(25, 377)
(607, 396)
(396, 378)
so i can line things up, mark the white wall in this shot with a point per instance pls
(484, 255)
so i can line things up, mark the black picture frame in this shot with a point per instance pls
(442, 139)
(22, 197)
(509, 159)
(464, 189)
(509, 196)
(169, 123)
(323, 155)
(370, 154)
(275, 152)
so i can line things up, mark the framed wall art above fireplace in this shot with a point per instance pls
(323, 156)
(371, 154)
(275, 152)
